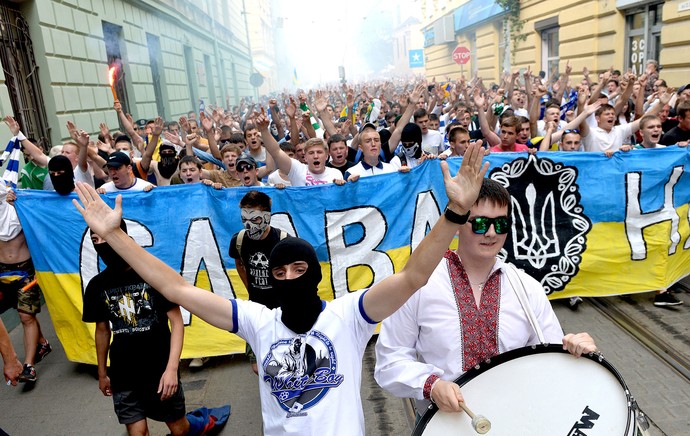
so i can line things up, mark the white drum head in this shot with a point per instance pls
(542, 394)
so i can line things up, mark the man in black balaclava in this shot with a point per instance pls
(300, 392)
(168, 163)
(411, 154)
(61, 174)
(298, 296)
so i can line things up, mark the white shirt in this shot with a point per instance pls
(541, 127)
(300, 175)
(292, 402)
(424, 336)
(274, 178)
(138, 185)
(432, 141)
(601, 140)
(363, 169)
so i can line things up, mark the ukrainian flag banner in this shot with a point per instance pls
(582, 224)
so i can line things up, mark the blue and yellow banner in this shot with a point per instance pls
(583, 224)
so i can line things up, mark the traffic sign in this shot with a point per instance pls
(461, 55)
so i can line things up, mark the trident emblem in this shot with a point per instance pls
(549, 226)
(535, 241)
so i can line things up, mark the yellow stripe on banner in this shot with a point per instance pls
(607, 262)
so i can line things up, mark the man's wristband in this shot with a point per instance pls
(21, 136)
(456, 218)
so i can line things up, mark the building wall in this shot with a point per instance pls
(591, 33)
(71, 55)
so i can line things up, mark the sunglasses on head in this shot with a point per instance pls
(566, 131)
(242, 168)
(481, 224)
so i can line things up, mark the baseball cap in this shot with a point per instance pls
(683, 88)
(117, 159)
(247, 160)
(367, 126)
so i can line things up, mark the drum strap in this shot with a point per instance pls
(518, 286)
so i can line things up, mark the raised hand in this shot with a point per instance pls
(157, 126)
(206, 122)
(291, 108)
(261, 120)
(98, 216)
(320, 102)
(12, 124)
(184, 124)
(463, 189)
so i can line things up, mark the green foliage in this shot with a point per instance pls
(512, 7)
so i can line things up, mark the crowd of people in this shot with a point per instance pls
(335, 134)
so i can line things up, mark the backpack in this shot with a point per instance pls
(240, 238)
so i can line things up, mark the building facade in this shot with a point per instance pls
(587, 33)
(169, 55)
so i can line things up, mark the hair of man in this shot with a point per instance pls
(256, 200)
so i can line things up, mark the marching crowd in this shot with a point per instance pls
(334, 134)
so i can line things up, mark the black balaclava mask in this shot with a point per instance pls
(412, 133)
(298, 297)
(64, 183)
(168, 164)
(110, 258)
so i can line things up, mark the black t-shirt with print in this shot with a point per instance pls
(255, 256)
(138, 316)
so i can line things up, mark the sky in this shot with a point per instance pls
(319, 36)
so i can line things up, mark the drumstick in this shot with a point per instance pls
(479, 422)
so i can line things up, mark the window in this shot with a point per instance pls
(155, 58)
(643, 37)
(549, 51)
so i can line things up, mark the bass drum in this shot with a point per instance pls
(542, 391)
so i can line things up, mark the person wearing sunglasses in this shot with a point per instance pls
(248, 171)
(470, 309)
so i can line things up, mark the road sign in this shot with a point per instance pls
(461, 55)
(416, 58)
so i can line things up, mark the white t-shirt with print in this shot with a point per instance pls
(300, 175)
(309, 383)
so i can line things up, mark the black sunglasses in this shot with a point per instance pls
(481, 224)
(242, 168)
(566, 131)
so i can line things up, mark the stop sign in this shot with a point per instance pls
(461, 55)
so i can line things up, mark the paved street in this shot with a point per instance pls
(66, 399)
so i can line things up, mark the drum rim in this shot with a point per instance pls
(529, 350)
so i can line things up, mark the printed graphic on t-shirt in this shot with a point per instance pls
(131, 309)
(258, 270)
(311, 180)
(300, 371)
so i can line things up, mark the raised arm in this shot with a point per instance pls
(282, 160)
(563, 82)
(32, 149)
(405, 118)
(207, 125)
(152, 145)
(597, 91)
(82, 140)
(105, 221)
(389, 295)
(491, 137)
(321, 104)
